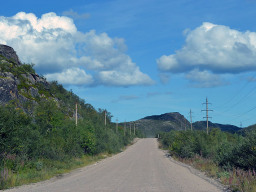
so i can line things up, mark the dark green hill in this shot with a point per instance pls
(151, 125)
(247, 129)
(201, 125)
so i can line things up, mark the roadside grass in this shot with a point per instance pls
(44, 169)
(238, 180)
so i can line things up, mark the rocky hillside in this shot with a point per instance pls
(38, 124)
(22, 87)
(151, 125)
(18, 82)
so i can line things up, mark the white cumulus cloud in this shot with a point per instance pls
(212, 48)
(59, 50)
(75, 75)
(124, 78)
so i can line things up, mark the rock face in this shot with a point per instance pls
(8, 87)
(9, 53)
(19, 82)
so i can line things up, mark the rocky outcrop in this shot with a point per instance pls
(8, 87)
(17, 84)
(9, 53)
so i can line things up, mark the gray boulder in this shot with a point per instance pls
(9, 53)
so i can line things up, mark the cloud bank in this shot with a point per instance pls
(211, 50)
(61, 52)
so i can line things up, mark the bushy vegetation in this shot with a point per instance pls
(226, 149)
(42, 130)
(52, 134)
(17, 70)
(217, 153)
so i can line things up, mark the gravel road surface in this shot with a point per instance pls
(141, 168)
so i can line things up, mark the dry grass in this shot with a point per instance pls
(44, 169)
(237, 179)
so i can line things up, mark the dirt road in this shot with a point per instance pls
(140, 168)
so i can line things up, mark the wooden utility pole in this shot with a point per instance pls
(207, 116)
(191, 126)
(76, 114)
(134, 127)
(105, 118)
(116, 125)
(124, 127)
(130, 128)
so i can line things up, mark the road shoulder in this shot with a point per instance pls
(197, 172)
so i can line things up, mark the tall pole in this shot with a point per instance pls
(207, 116)
(76, 114)
(134, 128)
(105, 122)
(116, 125)
(124, 127)
(191, 120)
(130, 128)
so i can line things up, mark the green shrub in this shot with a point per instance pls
(226, 149)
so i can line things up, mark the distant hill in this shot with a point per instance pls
(169, 121)
(247, 129)
(151, 125)
(201, 125)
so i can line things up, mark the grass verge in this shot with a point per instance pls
(237, 179)
(44, 169)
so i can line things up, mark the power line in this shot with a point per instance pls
(236, 117)
(241, 99)
(247, 111)
(229, 100)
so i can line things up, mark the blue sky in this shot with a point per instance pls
(137, 58)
